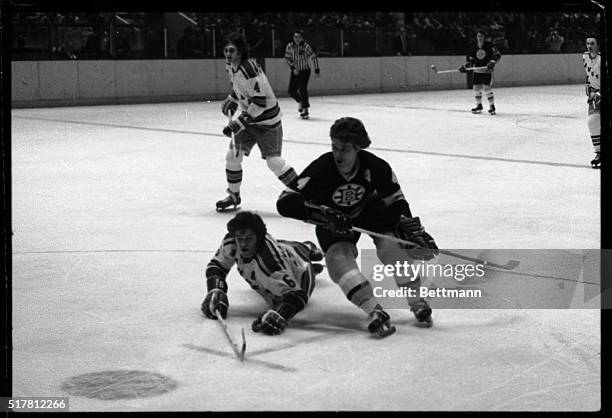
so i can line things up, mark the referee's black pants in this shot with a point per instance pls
(298, 87)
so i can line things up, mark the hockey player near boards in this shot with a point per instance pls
(482, 54)
(352, 187)
(281, 271)
(259, 121)
(591, 61)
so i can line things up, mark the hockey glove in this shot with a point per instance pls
(229, 106)
(238, 124)
(462, 69)
(216, 298)
(270, 323)
(337, 222)
(491, 65)
(594, 99)
(410, 229)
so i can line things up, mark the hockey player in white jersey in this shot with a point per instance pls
(258, 121)
(281, 271)
(591, 60)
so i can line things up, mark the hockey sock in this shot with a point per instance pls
(358, 290)
(478, 95)
(489, 94)
(285, 173)
(594, 123)
(233, 171)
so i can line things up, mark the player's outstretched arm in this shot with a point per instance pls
(274, 321)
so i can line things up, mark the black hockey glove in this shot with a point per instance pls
(337, 222)
(410, 229)
(491, 65)
(462, 69)
(270, 323)
(229, 106)
(216, 298)
(238, 124)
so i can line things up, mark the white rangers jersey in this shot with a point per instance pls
(279, 267)
(255, 96)
(592, 66)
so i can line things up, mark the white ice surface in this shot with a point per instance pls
(113, 220)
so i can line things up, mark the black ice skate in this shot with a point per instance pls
(492, 110)
(596, 162)
(422, 312)
(379, 325)
(225, 205)
(304, 113)
(477, 109)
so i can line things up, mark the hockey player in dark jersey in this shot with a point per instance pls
(281, 271)
(352, 187)
(482, 54)
(259, 121)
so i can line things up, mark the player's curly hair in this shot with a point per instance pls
(350, 130)
(248, 220)
(236, 38)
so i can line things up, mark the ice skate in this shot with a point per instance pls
(304, 113)
(225, 205)
(492, 110)
(379, 325)
(477, 109)
(422, 312)
(596, 162)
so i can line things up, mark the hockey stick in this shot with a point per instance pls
(433, 67)
(510, 265)
(239, 353)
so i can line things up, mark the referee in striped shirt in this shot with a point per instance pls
(297, 55)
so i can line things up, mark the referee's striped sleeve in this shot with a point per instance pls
(312, 55)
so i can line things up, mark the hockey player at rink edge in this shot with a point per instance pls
(259, 120)
(352, 187)
(281, 271)
(591, 60)
(482, 54)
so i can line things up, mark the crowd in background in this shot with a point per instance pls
(141, 35)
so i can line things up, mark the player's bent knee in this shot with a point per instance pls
(231, 158)
(477, 87)
(340, 258)
(277, 165)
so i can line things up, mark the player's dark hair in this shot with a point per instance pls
(481, 31)
(594, 37)
(248, 220)
(240, 42)
(350, 130)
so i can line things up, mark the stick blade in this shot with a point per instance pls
(243, 348)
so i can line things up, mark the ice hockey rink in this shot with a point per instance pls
(114, 222)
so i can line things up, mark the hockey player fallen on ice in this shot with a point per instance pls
(281, 271)
(258, 121)
(482, 54)
(355, 187)
(591, 60)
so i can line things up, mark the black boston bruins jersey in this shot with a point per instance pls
(373, 181)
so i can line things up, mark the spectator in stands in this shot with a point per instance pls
(554, 41)
(401, 43)
(187, 45)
